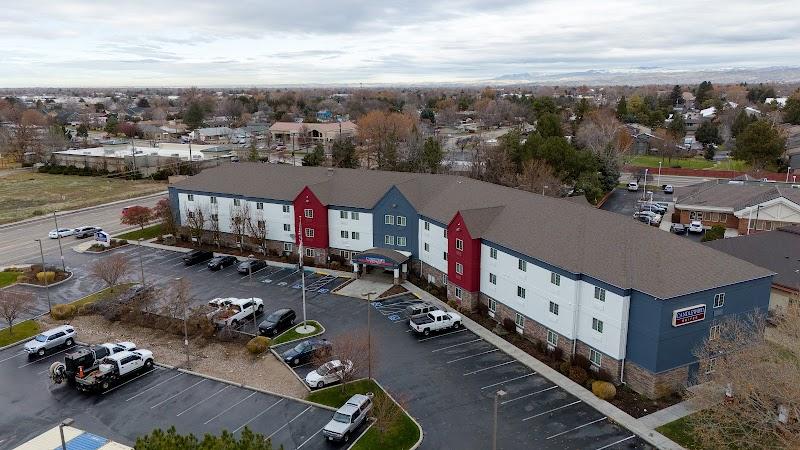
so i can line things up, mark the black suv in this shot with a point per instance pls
(277, 322)
(306, 350)
(221, 262)
(251, 265)
(197, 256)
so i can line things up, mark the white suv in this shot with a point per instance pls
(696, 226)
(633, 186)
(348, 418)
(50, 339)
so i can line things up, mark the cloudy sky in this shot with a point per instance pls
(249, 42)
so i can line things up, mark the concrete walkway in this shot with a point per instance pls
(667, 415)
(359, 286)
(612, 412)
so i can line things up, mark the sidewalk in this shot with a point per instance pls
(612, 412)
(667, 415)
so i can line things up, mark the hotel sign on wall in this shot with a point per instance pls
(688, 315)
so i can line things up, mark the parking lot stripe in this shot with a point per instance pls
(552, 410)
(529, 395)
(456, 345)
(287, 423)
(257, 415)
(472, 356)
(615, 443)
(12, 357)
(132, 379)
(283, 278)
(173, 396)
(46, 357)
(508, 381)
(203, 400)
(229, 408)
(151, 387)
(489, 368)
(441, 335)
(310, 437)
(576, 428)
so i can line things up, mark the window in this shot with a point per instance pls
(343, 214)
(493, 253)
(354, 215)
(261, 224)
(712, 362)
(493, 278)
(520, 292)
(445, 256)
(236, 202)
(346, 254)
(444, 280)
(309, 232)
(522, 265)
(459, 268)
(719, 300)
(344, 234)
(555, 278)
(723, 217)
(190, 214)
(519, 320)
(695, 215)
(426, 225)
(286, 208)
(597, 325)
(310, 252)
(492, 305)
(554, 308)
(458, 292)
(308, 213)
(401, 221)
(445, 233)
(213, 200)
(287, 227)
(388, 219)
(259, 205)
(600, 294)
(355, 235)
(459, 244)
(287, 247)
(595, 357)
(215, 217)
(552, 338)
(426, 246)
(401, 241)
(388, 239)
(190, 197)
(713, 332)
(714, 217)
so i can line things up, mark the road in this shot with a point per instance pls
(17, 244)
(674, 180)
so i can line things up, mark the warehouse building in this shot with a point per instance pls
(633, 299)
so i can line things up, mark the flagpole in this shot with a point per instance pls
(302, 271)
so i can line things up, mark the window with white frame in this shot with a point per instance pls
(190, 214)
(310, 252)
(492, 305)
(388, 239)
(552, 338)
(308, 213)
(344, 234)
(309, 232)
(444, 255)
(401, 241)
(715, 217)
(355, 235)
(287, 246)
(287, 227)
(459, 268)
(719, 300)
(713, 332)
(555, 278)
(426, 225)
(458, 292)
(493, 278)
(554, 308)
(522, 265)
(261, 224)
(388, 219)
(353, 215)
(343, 214)
(597, 325)
(444, 279)
(519, 320)
(710, 365)
(493, 253)
(286, 208)
(600, 294)
(259, 205)
(401, 221)
(237, 202)
(213, 200)
(695, 215)
(520, 292)
(426, 246)
(346, 255)
(215, 217)
(595, 357)
(190, 197)
(459, 244)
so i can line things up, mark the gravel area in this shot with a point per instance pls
(225, 360)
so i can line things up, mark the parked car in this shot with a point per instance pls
(648, 217)
(60, 232)
(652, 208)
(84, 232)
(434, 321)
(668, 189)
(305, 351)
(633, 186)
(221, 262)
(695, 226)
(677, 228)
(419, 308)
(348, 418)
(277, 322)
(235, 310)
(197, 256)
(251, 265)
(329, 373)
(50, 339)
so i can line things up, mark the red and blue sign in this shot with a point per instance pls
(688, 315)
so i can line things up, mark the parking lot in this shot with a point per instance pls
(159, 398)
(625, 202)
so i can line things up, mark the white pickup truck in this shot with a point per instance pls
(434, 321)
(235, 310)
(114, 368)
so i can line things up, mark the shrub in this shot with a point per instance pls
(509, 325)
(604, 375)
(226, 334)
(483, 309)
(50, 276)
(564, 368)
(581, 361)
(604, 390)
(257, 345)
(557, 354)
(540, 346)
(589, 382)
(578, 374)
(453, 304)
(63, 312)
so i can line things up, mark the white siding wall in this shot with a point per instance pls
(272, 214)
(437, 243)
(363, 226)
(614, 314)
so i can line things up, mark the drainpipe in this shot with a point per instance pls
(575, 313)
(622, 371)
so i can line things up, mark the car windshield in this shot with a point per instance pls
(40, 338)
(325, 369)
(341, 418)
(300, 347)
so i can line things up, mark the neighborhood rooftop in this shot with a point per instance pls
(736, 195)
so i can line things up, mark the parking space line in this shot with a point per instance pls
(132, 379)
(490, 367)
(472, 356)
(179, 393)
(203, 400)
(456, 345)
(615, 443)
(508, 381)
(287, 276)
(154, 386)
(576, 428)
(287, 423)
(229, 408)
(257, 415)
(45, 357)
(12, 357)
(530, 395)
(552, 410)
(442, 335)
(310, 437)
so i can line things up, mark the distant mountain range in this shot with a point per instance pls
(655, 75)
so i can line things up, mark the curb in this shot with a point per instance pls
(300, 338)
(278, 357)
(87, 252)
(421, 433)
(45, 287)
(372, 421)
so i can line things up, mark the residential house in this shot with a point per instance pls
(211, 135)
(294, 134)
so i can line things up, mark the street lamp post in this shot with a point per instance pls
(141, 264)
(250, 271)
(369, 332)
(497, 396)
(60, 251)
(64, 423)
(787, 173)
(658, 180)
(46, 283)
(644, 194)
(185, 327)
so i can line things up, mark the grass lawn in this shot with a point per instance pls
(148, 233)
(7, 278)
(291, 334)
(653, 160)
(682, 432)
(29, 194)
(102, 294)
(22, 330)
(403, 434)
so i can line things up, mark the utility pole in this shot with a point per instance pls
(185, 302)
(46, 283)
(369, 332)
(497, 395)
(60, 251)
(141, 265)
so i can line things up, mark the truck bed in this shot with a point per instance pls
(421, 319)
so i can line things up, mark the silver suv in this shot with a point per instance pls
(50, 339)
(348, 418)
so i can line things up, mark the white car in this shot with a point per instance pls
(633, 186)
(696, 227)
(329, 373)
(61, 232)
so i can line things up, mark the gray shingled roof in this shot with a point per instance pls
(734, 196)
(604, 245)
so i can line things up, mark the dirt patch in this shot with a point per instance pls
(226, 360)
(29, 275)
(394, 290)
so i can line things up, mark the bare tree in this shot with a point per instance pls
(240, 216)
(386, 413)
(354, 347)
(601, 133)
(538, 176)
(196, 222)
(12, 304)
(216, 232)
(111, 269)
(257, 229)
(178, 299)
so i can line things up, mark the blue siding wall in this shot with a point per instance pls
(395, 204)
(654, 344)
(175, 204)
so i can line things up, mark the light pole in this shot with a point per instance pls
(141, 264)
(185, 302)
(369, 332)
(60, 251)
(497, 396)
(44, 270)
(644, 194)
(64, 423)
(250, 267)
(252, 300)
(787, 173)
(658, 180)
